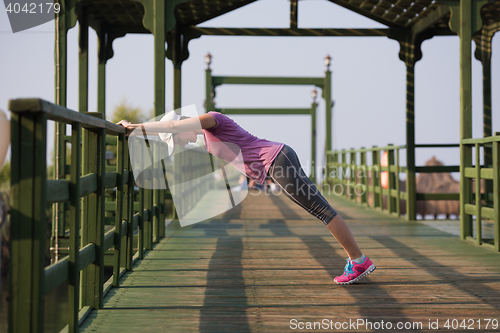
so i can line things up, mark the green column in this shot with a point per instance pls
(208, 90)
(101, 70)
(83, 61)
(94, 149)
(61, 76)
(177, 62)
(327, 94)
(465, 114)
(74, 239)
(27, 234)
(159, 96)
(485, 58)
(411, 187)
(313, 142)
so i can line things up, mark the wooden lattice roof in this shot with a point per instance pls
(128, 15)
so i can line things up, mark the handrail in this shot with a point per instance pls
(343, 172)
(29, 125)
(64, 115)
(472, 203)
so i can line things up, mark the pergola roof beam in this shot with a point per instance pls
(221, 11)
(363, 12)
(434, 16)
(289, 32)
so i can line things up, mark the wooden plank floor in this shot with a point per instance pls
(267, 262)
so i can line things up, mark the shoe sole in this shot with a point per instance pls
(365, 273)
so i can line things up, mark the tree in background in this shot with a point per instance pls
(133, 114)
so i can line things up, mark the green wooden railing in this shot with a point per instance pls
(357, 189)
(32, 193)
(337, 166)
(482, 205)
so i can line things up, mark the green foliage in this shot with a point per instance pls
(133, 114)
(5, 177)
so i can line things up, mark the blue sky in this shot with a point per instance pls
(368, 78)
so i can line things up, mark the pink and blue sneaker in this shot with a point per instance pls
(353, 272)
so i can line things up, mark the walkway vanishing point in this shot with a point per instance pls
(267, 262)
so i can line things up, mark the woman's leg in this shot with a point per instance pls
(288, 174)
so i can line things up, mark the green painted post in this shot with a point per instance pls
(159, 46)
(117, 260)
(94, 147)
(375, 177)
(352, 161)
(344, 173)
(411, 186)
(398, 189)
(479, 239)
(465, 114)
(27, 247)
(208, 90)
(293, 14)
(129, 207)
(83, 61)
(391, 202)
(487, 120)
(74, 229)
(101, 69)
(156, 197)
(83, 85)
(313, 142)
(327, 94)
(142, 205)
(364, 178)
(379, 183)
(61, 75)
(496, 195)
(176, 60)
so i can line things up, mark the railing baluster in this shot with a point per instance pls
(129, 207)
(93, 275)
(398, 189)
(391, 178)
(119, 209)
(156, 193)
(375, 177)
(352, 162)
(364, 179)
(29, 224)
(479, 237)
(496, 194)
(74, 228)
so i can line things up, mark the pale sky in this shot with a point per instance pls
(368, 78)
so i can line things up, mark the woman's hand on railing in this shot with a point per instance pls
(129, 126)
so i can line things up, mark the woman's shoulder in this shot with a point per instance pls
(219, 118)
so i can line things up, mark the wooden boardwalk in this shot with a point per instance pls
(267, 261)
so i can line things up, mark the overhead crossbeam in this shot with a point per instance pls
(316, 81)
(289, 32)
(267, 111)
(437, 14)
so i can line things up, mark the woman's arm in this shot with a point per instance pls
(169, 126)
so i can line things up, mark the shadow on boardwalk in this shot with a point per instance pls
(267, 264)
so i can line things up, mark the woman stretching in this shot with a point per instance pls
(262, 157)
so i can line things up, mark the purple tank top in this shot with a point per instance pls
(257, 154)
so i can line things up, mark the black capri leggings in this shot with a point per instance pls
(287, 173)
